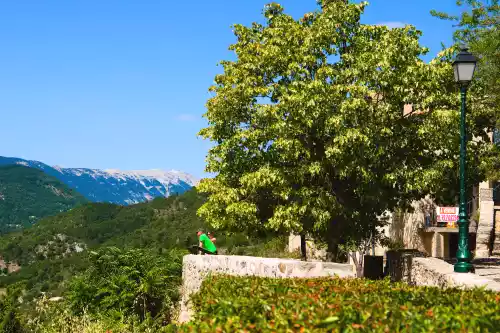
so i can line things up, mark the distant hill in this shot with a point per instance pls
(27, 195)
(115, 186)
(95, 224)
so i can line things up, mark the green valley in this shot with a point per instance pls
(28, 195)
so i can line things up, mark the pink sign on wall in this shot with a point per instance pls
(447, 214)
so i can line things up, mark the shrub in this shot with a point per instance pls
(133, 284)
(252, 304)
(56, 317)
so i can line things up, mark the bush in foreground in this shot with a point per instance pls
(133, 283)
(130, 291)
(252, 304)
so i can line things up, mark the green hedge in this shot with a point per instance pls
(252, 304)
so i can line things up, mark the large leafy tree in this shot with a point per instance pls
(310, 129)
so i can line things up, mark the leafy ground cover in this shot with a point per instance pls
(252, 304)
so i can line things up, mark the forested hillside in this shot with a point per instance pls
(27, 195)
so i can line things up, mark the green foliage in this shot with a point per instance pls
(44, 276)
(475, 19)
(10, 322)
(120, 291)
(56, 317)
(309, 127)
(173, 221)
(27, 195)
(478, 27)
(132, 283)
(234, 304)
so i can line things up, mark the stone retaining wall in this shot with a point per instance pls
(436, 272)
(197, 267)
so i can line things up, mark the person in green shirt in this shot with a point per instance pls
(206, 245)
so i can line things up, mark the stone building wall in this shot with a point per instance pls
(486, 221)
(405, 227)
(496, 233)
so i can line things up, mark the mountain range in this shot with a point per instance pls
(114, 186)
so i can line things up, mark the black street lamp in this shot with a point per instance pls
(464, 67)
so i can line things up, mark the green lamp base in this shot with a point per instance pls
(464, 267)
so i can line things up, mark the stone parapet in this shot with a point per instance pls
(438, 273)
(197, 267)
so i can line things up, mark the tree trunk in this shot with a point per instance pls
(303, 250)
(357, 258)
(373, 242)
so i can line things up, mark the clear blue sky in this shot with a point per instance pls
(122, 84)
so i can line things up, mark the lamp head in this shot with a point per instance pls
(464, 66)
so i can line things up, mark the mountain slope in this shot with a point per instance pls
(27, 195)
(114, 186)
(94, 224)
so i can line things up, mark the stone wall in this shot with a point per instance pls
(438, 273)
(197, 267)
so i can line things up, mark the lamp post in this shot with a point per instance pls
(464, 67)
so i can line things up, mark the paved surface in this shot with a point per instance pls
(488, 268)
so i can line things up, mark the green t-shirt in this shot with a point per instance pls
(207, 243)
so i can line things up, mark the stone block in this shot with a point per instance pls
(438, 273)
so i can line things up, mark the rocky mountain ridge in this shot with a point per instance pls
(115, 186)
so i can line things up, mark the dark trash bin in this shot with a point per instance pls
(373, 267)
